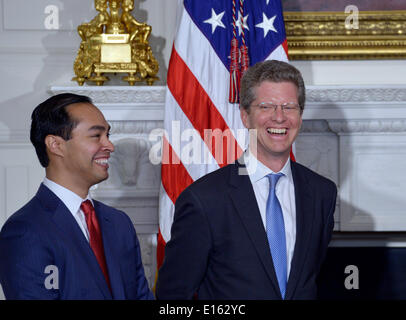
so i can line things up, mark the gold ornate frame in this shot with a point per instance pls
(323, 36)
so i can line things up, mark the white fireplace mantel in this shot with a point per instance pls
(355, 135)
(125, 103)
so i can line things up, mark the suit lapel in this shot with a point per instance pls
(244, 200)
(72, 234)
(304, 199)
(112, 258)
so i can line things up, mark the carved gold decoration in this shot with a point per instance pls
(115, 42)
(324, 36)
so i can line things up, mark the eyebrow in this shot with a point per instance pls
(101, 128)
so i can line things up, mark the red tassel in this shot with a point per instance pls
(245, 62)
(234, 72)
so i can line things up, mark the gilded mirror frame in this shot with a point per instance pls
(324, 36)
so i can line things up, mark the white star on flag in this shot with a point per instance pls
(267, 2)
(244, 23)
(267, 24)
(215, 20)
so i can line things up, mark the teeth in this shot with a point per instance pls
(101, 161)
(275, 130)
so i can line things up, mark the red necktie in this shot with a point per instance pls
(96, 242)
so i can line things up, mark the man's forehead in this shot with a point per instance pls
(80, 107)
(270, 87)
(268, 81)
(83, 111)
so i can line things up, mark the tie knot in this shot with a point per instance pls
(87, 207)
(273, 179)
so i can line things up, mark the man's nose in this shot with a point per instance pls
(278, 114)
(108, 145)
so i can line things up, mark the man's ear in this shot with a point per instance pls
(55, 145)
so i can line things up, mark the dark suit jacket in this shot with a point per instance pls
(219, 247)
(44, 233)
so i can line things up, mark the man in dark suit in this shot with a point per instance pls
(63, 244)
(258, 228)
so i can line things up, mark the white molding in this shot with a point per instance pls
(348, 126)
(322, 102)
(314, 94)
(355, 102)
(315, 126)
(356, 93)
(391, 126)
(120, 95)
(128, 112)
(19, 137)
(138, 127)
(123, 103)
(377, 239)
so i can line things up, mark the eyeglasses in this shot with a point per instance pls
(288, 108)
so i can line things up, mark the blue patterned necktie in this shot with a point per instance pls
(275, 230)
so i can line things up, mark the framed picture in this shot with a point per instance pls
(343, 30)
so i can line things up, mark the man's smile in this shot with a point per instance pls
(102, 162)
(278, 131)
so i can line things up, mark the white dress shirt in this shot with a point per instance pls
(72, 201)
(285, 192)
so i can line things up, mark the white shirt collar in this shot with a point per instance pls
(71, 200)
(257, 170)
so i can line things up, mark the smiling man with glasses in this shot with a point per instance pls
(272, 103)
(261, 235)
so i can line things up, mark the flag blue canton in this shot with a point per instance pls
(214, 18)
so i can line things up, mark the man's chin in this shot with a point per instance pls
(274, 151)
(100, 179)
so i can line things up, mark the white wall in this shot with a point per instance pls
(352, 72)
(33, 58)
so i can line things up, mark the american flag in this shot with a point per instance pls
(198, 85)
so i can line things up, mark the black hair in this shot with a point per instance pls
(51, 117)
